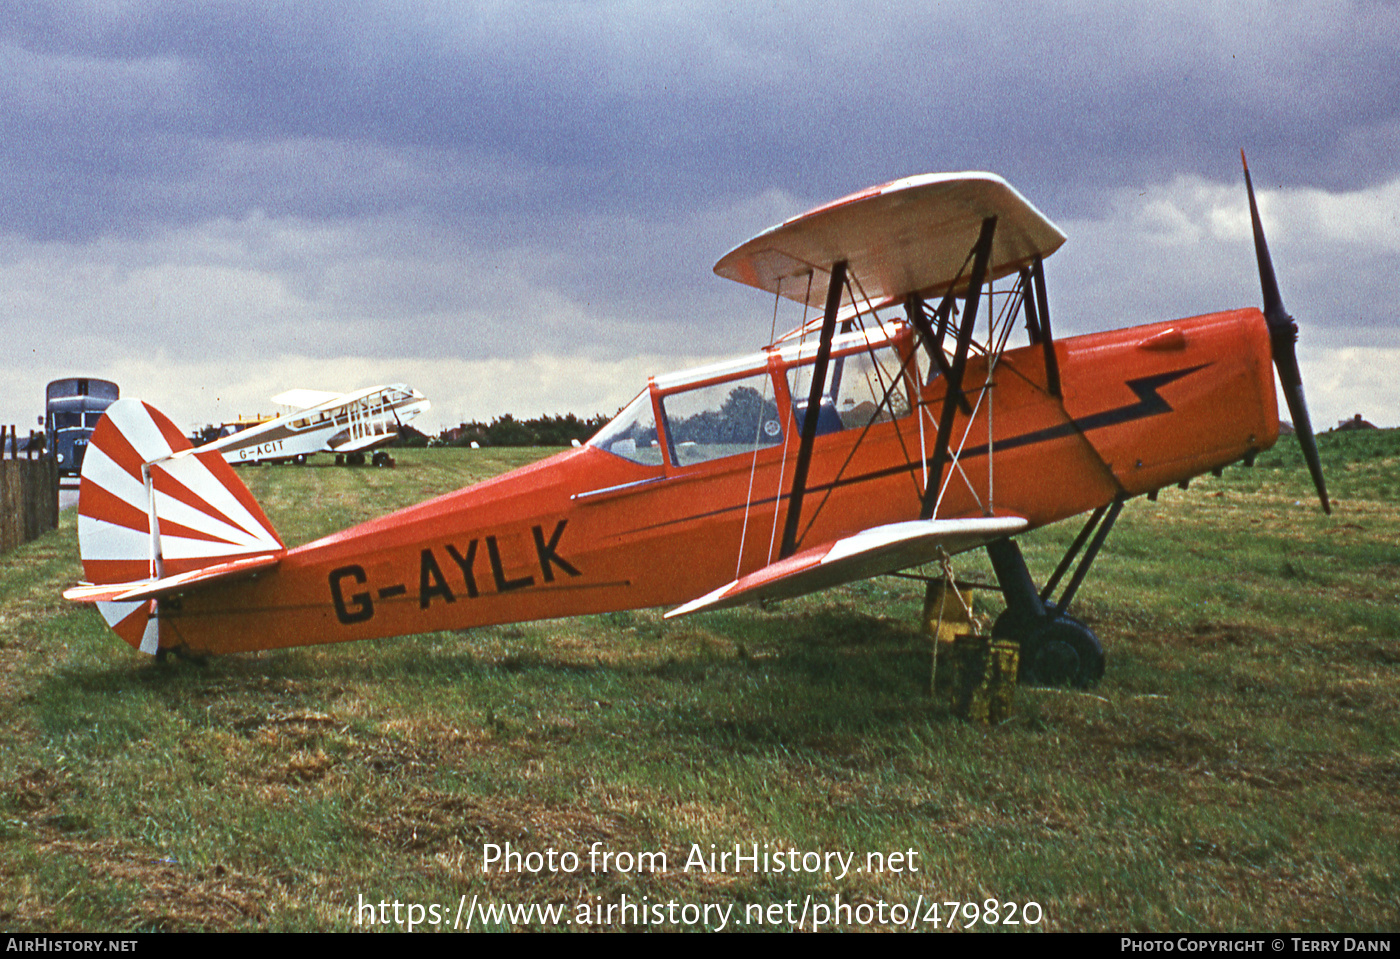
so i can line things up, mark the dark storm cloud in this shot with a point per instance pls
(120, 116)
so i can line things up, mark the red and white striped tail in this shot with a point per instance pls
(204, 514)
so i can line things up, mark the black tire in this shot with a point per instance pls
(1063, 652)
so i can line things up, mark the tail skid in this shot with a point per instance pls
(156, 517)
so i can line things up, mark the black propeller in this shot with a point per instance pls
(1283, 337)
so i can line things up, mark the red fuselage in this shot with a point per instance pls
(669, 518)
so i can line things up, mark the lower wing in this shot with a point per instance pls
(871, 552)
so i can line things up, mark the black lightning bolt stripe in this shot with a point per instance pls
(1149, 404)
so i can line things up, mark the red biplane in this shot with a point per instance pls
(882, 433)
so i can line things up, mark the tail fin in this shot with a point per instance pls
(153, 513)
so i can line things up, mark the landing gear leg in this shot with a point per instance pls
(1056, 648)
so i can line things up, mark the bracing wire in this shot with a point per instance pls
(758, 431)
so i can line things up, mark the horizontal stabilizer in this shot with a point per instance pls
(169, 585)
(871, 552)
(909, 236)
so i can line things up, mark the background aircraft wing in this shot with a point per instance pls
(871, 552)
(363, 443)
(302, 399)
(909, 236)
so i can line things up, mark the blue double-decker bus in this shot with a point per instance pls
(73, 407)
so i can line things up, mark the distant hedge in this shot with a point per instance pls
(508, 431)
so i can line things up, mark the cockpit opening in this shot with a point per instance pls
(738, 407)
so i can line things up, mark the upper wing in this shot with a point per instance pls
(303, 399)
(909, 236)
(872, 552)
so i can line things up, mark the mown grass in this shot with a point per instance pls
(1237, 769)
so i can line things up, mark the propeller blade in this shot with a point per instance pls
(1283, 339)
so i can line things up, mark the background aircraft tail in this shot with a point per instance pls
(156, 517)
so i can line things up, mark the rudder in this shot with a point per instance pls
(151, 506)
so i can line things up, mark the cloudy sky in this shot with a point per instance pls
(516, 206)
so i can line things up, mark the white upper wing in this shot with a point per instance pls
(909, 236)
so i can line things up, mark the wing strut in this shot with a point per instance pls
(1038, 322)
(982, 254)
(1047, 341)
(1033, 329)
(814, 399)
(933, 340)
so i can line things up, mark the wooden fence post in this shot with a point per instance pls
(28, 494)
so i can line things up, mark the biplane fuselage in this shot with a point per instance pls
(590, 531)
(825, 458)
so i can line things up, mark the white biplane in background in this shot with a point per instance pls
(346, 424)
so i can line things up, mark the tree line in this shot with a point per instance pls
(508, 431)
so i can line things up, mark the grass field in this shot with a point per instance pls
(1237, 769)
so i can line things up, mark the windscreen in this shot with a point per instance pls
(632, 433)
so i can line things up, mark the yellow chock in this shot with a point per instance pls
(979, 677)
(946, 615)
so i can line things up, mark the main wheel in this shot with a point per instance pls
(1063, 652)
